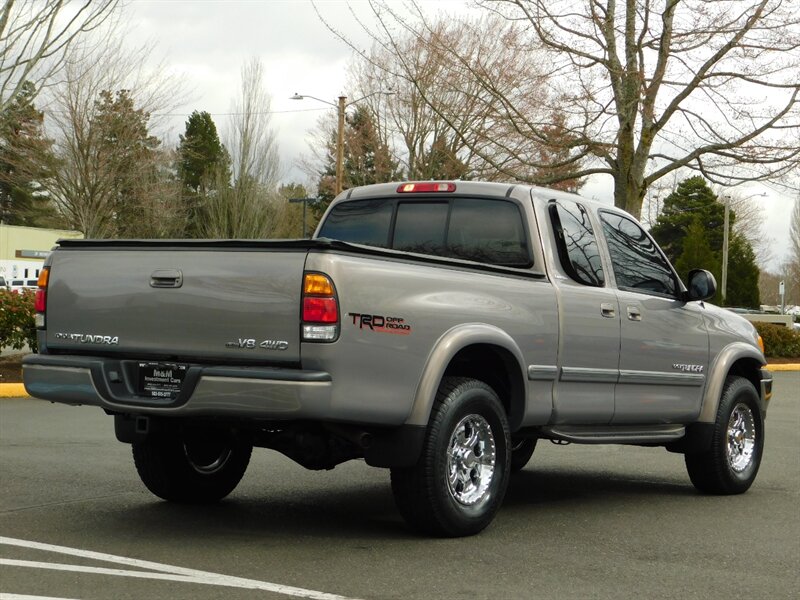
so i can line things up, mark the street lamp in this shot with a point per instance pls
(305, 202)
(725, 236)
(340, 106)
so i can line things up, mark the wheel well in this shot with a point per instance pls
(499, 369)
(748, 368)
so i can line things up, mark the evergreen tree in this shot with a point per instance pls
(693, 199)
(367, 159)
(130, 158)
(697, 254)
(24, 159)
(203, 165)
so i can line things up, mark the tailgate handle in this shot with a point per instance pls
(166, 278)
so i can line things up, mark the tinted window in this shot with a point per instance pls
(487, 231)
(360, 222)
(420, 227)
(638, 263)
(577, 244)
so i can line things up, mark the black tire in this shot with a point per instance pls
(446, 493)
(196, 467)
(731, 464)
(521, 452)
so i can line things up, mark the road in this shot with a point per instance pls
(578, 522)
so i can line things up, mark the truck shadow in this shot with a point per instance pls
(367, 511)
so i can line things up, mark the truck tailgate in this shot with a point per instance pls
(183, 301)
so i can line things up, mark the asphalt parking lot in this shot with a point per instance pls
(578, 522)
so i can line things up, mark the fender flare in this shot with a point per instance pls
(444, 350)
(719, 371)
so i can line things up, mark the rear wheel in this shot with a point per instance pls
(731, 464)
(458, 484)
(199, 466)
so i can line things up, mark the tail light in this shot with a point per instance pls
(320, 318)
(40, 300)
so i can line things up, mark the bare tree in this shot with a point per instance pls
(792, 266)
(35, 38)
(93, 171)
(247, 206)
(651, 87)
(454, 82)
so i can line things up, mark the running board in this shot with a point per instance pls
(621, 434)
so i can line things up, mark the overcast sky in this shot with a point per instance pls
(207, 42)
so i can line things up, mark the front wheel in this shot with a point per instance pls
(458, 483)
(198, 467)
(731, 464)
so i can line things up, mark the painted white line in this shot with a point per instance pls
(172, 572)
(22, 597)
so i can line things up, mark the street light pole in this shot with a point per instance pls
(725, 248)
(725, 240)
(340, 148)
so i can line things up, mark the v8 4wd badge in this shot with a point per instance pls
(252, 344)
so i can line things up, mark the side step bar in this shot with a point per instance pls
(621, 434)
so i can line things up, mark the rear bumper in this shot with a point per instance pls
(217, 391)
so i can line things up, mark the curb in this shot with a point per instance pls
(13, 390)
(17, 390)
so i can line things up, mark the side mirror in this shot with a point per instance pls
(701, 285)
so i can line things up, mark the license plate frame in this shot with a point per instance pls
(161, 380)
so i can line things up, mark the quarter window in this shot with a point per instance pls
(577, 245)
(638, 263)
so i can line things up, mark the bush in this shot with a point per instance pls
(17, 319)
(779, 341)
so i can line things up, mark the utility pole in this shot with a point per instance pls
(340, 148)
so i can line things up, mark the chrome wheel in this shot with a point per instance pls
(741, 438)
(471, 460)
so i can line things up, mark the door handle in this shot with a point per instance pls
(634, 314)
(607, 310)
(166, 278)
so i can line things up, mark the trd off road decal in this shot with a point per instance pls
(381, 324)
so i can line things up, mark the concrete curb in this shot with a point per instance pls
(17, 390)
(12, 390)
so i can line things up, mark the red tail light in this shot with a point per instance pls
(320, 318)
(40, 300)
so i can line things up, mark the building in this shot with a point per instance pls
(23, 250)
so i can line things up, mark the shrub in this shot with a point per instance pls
(779, 341)
(17, 319)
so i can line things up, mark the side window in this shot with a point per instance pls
(577, 245)
(360, 222)
(487, 231)
(638, 263)
(420, 227)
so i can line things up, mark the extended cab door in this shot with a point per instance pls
(589, 320)
(664, 343)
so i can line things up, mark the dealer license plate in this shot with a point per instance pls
(161, 380)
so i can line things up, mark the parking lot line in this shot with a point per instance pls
(162, 571)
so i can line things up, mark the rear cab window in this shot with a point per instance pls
(484, 230)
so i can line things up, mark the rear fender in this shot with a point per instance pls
(446, 348)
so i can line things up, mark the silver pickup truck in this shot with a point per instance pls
(439, 329)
